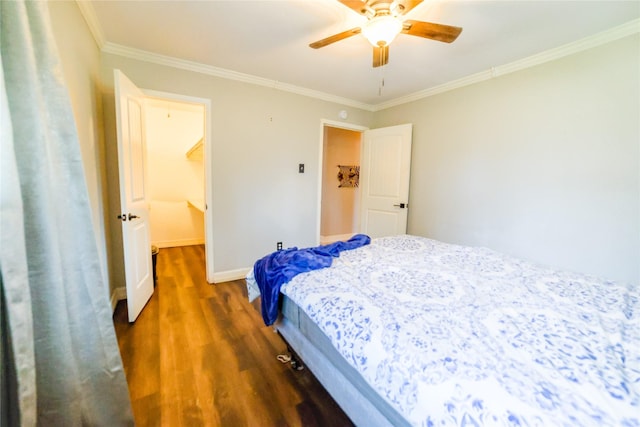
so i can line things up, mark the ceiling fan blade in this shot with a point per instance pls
(335, 38)
(359, 6)
(429, 30)
(380, 56)
(407, 5)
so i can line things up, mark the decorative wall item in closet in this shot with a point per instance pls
(348, 176)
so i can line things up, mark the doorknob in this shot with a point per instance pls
(123, 217)
(132, 217)
(402, 205)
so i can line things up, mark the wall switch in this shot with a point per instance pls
(279, 246)
(301, 168)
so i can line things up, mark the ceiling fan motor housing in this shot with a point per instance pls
(374, 8)
(384, 23)
(381, 30)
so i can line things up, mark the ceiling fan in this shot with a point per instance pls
(384, 23)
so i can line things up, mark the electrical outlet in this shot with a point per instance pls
(279, 246)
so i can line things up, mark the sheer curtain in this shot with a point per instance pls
(59, 354)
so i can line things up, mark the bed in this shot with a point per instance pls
(412, 331)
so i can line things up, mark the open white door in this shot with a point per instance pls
(132, 162)
(384, 180)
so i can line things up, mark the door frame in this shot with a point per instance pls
(334, 124)
(208, 178)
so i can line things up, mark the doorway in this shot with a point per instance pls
(380, 207)
(178, 157)
(339, 195)
(175, 169)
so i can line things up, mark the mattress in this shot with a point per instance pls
(356, 397)
(454, 335)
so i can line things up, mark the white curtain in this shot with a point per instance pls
(60, 360)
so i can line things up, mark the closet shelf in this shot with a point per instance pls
(195, 152)
(196, 204)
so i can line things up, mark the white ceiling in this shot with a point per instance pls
(269, 39)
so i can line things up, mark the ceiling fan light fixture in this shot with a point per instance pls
(381, 30)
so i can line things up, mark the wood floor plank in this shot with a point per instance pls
(176, 386)
(144, 366)
(200, 355)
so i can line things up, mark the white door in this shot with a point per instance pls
(384, 180)
(134, 215)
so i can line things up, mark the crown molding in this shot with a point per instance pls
(616, 33)
(89, 15)
(197, 67)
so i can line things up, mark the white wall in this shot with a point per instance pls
(259, 136)
(543, 163)
(80, 59)
(172, 130)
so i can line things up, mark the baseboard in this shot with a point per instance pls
(222, 276)
(229, 275)
(324, 240)
(117, 295)
(181, 242)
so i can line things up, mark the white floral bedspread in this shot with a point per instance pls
(453, 335)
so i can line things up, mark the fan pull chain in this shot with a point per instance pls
(381, 86)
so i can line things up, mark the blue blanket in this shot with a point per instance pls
(276, 269)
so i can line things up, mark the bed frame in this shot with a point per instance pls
(360, 402)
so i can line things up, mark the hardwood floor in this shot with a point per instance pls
(200, 355)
